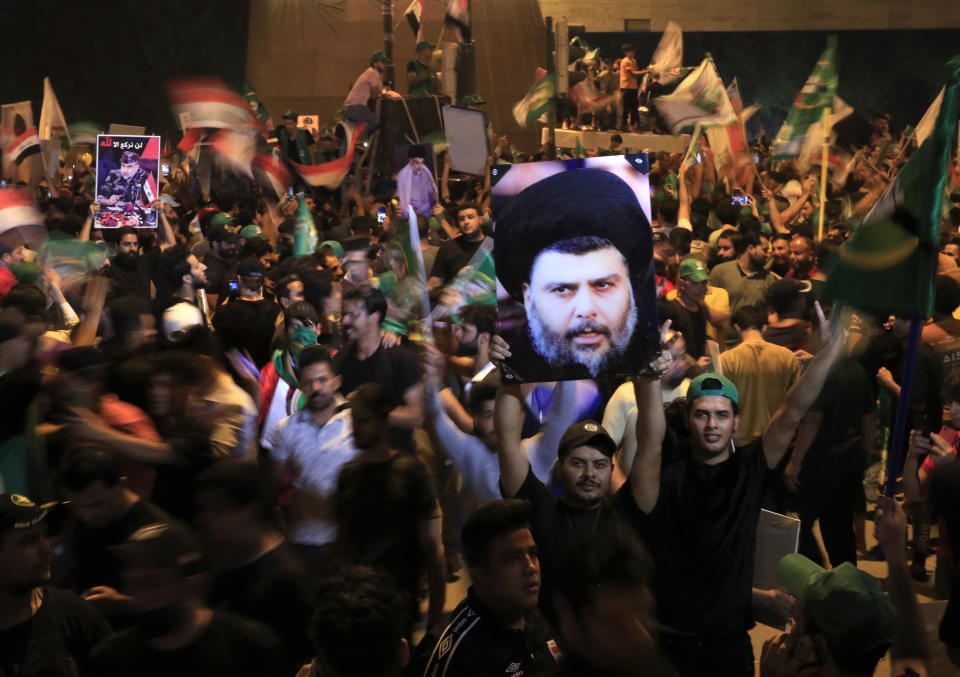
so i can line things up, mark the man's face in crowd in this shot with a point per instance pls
(318, 383)
(367, 430)
(167, 395)
(97, 505)
(953, 251)
(694, 291)
(225, 249)
(416, 163)
(712, 425)
(580, 307)
(356, 323)
(425, 55)
(469, 222)
(510, 581)
(465, 336)
(129, 169)
(759, 253)
(380, 66)
(219, 520)
(725, 249)
(294, 294)
(483, 424)
(291, 126)
(25, 559)
(881, 126)
(355, 266)
(781, 251)
(585, 476)
(801, 258)
(198, 271)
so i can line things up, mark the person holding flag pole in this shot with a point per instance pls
(895, 249)
(824, 162)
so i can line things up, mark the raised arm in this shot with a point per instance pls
(541, 449)
(651, 427)
(508, 416)
(776, 220)
(779, 432)
(88, 224)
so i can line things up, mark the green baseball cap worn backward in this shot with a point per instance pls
(381, 57)
(693, 269)
(425, 44)
(712, 385)
(844, 604)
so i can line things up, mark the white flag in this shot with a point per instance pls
(52, 125)
(668, 57)
(925, 126)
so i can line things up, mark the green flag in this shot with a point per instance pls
(259, 110)
(579, 150)
(889, 262)
(541, 98)
(304, 232)
(809, 104)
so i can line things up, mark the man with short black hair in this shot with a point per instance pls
(180, 277)
(43, 630)
(496, 629)
(386, 507)
(105, 513)
(780, 254)
(456, 253)
(365, 360)
(224, 245)
(309, 447)
(254, 571)
(746, 279)
(763, 369)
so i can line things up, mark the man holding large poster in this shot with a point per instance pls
(127, 169)
(575, 249)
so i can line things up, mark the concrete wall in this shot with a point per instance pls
(306, 55)
(759, 15)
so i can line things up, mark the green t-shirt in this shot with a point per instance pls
(427, 86)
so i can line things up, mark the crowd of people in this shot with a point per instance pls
(223, 455)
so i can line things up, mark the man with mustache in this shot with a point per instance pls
(311, 446)
(584, 467)
(575, 250)
(496, 629)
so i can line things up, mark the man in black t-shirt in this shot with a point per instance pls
(386, 507)
(254, 571)
(698, 515)
(130, 271)
(175, 631)
(43, 631)
(584, 467)
(104, 514)
(364, 360)
(248, 323)
(688, 311)
(456, 253)
(222, 256)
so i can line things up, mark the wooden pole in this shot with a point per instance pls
(824, 159)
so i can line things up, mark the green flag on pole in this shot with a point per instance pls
(889, 262)
(540, 99)
(809, 104)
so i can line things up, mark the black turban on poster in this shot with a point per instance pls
(574, 203)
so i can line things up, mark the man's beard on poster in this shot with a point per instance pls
(558, 349)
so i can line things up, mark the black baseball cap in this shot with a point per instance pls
(160, 545)
(589, 434)
(19, 512)
(251, 267)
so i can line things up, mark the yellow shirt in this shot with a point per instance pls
(763, 373)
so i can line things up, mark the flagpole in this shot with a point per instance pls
(825, 156)
(895, 457)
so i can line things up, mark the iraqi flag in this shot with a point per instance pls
(272, 174)
(458, 17)
(149, 192)
(235, 148)
(20, 220)
(414, 16)
(331, 174)
(23, 146)
(208, 103)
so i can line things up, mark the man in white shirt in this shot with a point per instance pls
(310, 447)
